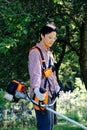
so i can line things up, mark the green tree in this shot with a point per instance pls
(83, 47)
(20, 23)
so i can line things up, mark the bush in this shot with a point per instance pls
(3, 102)
(74, 105)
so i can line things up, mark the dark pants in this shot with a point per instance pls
(45, 119)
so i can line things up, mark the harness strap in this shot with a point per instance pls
(42, 57)
(47, 80)
(44, 66)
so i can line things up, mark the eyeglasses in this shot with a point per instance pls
(51, 38)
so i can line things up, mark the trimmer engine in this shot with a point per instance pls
(15, 90)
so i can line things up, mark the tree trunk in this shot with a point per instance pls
(83, 48)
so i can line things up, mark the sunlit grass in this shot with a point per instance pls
(66, 126)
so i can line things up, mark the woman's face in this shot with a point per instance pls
(48, 39)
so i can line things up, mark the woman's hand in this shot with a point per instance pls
(39, 95)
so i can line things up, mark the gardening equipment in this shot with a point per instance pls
(47, 107)
(45, 101)
(22, 94)
(15, 90)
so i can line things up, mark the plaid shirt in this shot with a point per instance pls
(35, 70)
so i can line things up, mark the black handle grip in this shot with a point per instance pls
(42, 90)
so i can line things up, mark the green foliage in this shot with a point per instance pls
(20, 23)
(73, 105)
(66, 126)
(2, 100)
(69, 70)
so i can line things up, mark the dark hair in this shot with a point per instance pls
(47, 30)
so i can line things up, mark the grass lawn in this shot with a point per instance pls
(64, 126)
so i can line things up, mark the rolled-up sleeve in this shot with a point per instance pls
(34, 67)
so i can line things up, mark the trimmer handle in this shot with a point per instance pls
(42, 90)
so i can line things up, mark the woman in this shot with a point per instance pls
(38, 79)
